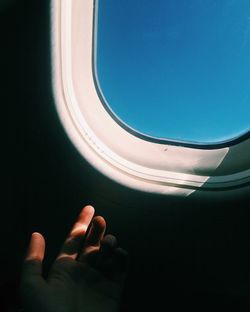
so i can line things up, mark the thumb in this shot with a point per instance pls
(34, 257)
(36, 247)
(33, 285)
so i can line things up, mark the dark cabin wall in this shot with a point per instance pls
(182, 251)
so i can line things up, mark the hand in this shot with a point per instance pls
(87, 275)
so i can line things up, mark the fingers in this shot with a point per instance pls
(108, 244)
(84, 219)
(106, 254)
(93, 240)
(32, 267)
(113, 260)
(73, 242)
(97, 231)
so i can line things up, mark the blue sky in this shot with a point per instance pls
(177, 69)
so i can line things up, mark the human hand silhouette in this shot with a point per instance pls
(87, 276)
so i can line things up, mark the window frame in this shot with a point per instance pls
(119, 152)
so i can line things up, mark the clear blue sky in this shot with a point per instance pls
(177, 69)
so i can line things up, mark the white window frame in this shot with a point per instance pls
(122, 154)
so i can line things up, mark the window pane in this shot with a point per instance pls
(176, 69)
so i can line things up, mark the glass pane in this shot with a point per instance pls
(176, 69)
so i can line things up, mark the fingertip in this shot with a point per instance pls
(37, 235)
(83, 221)
(108, 243)
(96, 232)
(99, 222)
(110, 239)
(36, 247)
(88, 209)
(86, 215)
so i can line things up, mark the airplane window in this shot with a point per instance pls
(126, 74)
(176, 69)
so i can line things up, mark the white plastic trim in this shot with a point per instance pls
(125, 158)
